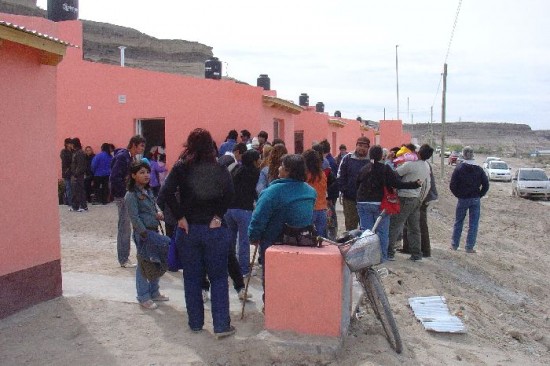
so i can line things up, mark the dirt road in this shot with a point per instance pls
(501, 293)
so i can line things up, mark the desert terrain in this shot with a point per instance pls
(501, 293)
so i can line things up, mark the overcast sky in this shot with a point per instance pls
(343, 53)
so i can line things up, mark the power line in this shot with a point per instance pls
(453, 31)
(448, 48)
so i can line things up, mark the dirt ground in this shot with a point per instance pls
(501, 293)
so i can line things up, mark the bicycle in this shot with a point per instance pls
(361, 251)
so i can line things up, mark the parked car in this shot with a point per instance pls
(498, 170)
(488, 159)
(453, 158)
(531, 182)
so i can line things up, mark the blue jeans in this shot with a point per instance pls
(320, 222)
(473, 207)
(146, 289)
(368, 213)
(237, 221)
(124, 231)
(204, 249)
(68, 197)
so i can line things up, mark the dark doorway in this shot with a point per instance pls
(154, 132)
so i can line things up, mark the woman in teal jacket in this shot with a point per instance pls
(287, 200)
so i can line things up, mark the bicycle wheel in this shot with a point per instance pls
(381, 306)
(362, 277)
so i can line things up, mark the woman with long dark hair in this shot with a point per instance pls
(202, 237)
(317, 179)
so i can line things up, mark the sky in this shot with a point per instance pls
(343, 53)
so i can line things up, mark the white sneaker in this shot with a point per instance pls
(205, 296)
(149, 304)
(128, 264)
(241, 295)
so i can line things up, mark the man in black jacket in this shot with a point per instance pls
(78, 170)
(66, 156)
(468, 183)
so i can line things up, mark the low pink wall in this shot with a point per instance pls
(307, 290)
(28, 191)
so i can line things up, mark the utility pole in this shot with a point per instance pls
(443, 106)
(432, 129)
(408, 111)
(384, 113)
(397, 78)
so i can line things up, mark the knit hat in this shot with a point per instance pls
(468, 153)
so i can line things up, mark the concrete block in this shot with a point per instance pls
(307, 291)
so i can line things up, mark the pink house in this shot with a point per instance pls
(106, 103)
(30, 269)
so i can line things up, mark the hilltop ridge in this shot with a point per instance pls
(101, 42)
(489, 137)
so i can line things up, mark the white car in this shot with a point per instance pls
(498, 170)
(531, 182)
(489, 158)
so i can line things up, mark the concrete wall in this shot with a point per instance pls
(30, 269)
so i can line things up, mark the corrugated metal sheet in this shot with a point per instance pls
(36, 33)
(433, 313)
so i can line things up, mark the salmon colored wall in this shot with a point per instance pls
(316, 128)
(89, 108)
(391, 134)
(28, 183)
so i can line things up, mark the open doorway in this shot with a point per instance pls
(154, 132)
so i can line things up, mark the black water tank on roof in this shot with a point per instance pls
(264, 82)
(338, 114)
(320, 107)
(59, 10)
(304, 100)
(213, 68)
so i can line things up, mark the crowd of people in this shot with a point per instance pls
(218, 203)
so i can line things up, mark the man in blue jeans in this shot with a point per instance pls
(468, 183)
(120, 169)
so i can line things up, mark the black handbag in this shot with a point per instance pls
(301, 236)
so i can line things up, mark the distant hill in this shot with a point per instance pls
(101, 42)
(496, 137)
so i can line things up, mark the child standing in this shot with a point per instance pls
(151, 246)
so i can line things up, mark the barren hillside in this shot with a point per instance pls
(101, 42)
(495, 137)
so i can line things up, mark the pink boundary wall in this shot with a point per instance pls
(88, 103)
(30, 269)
